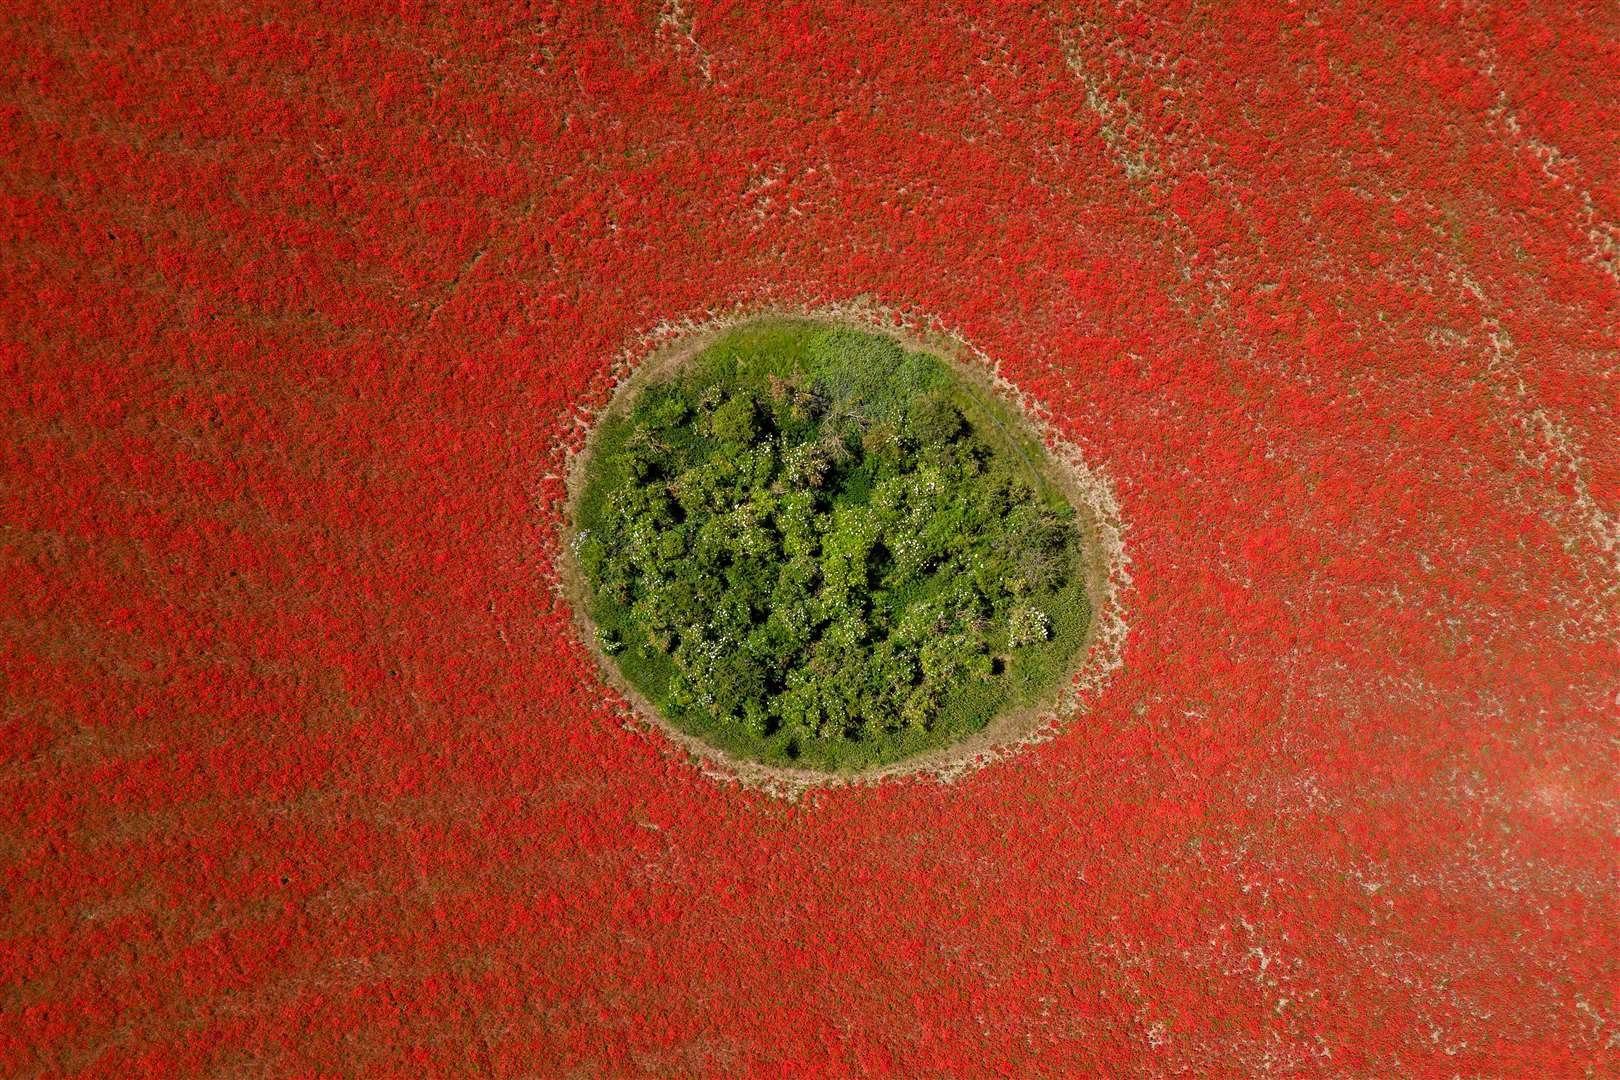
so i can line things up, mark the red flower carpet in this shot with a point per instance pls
(306, 770)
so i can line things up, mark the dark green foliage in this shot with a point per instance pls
(812, 547)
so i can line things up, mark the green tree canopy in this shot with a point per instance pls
(808, 548)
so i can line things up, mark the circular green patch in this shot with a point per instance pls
(810, 547)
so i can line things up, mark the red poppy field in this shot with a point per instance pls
(306, 770)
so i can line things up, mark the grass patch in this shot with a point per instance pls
(811, 547)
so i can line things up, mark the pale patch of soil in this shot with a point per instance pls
(670, 345)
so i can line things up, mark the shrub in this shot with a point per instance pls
(1027, 625)
(933, 419)
(734, 422)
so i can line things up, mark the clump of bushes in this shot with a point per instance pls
(803, 550)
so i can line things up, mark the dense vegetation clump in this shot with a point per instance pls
(810, 546)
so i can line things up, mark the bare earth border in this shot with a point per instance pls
(670, 345)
